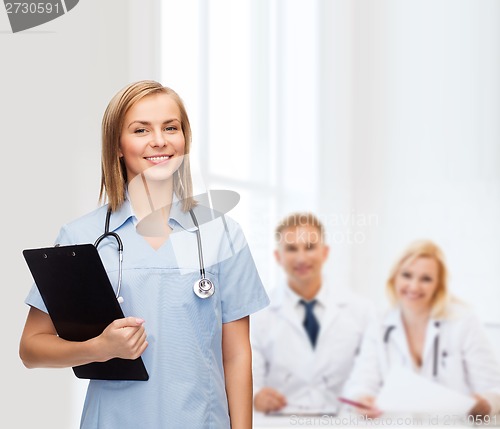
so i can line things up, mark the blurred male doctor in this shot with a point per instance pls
(305, 342)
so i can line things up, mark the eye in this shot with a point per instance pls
(427, 279)
(310, 246)
(140, 131)
(290, 248)
(406, 275)
(171, 128)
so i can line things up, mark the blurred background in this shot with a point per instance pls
(380, 117)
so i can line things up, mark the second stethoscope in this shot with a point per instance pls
(435, 357)
(203, 287)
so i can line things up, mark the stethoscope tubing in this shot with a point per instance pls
(435, 369)
(205, 286)
(200, 247)
(119, 242)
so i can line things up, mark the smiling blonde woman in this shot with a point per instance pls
(196, 351)
(428, 332)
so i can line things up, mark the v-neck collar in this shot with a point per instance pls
(394, 321)
(176, 216)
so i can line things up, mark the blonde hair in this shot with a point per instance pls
(423, 249)
(113, 171)
(299, 219)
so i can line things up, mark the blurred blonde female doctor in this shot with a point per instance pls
(429, 333)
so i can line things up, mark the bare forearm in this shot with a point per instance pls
(41, 347)
(238, 374)
(51, 351)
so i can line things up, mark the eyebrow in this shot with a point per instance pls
(168, 121)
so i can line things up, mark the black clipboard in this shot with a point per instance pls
(81, 302)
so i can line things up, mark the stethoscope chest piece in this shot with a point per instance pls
(203, 288)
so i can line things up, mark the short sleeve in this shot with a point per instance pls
(34, 299)
(242, 292)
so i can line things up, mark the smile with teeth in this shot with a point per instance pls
(158, 158)
(412, 296)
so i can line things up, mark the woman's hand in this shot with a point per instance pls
(123, 338)
(41, 347)
(481, 408)
(372, 411)
(268, 400)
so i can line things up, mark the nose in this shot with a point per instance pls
(301, 255)
(413, 284)
(158, 139)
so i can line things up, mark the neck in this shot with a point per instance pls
(148, 196)
(416, 318)
(307, 290)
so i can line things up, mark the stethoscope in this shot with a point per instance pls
(435, 366)
(203, 287)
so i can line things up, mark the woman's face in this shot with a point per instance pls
(416, 283)
(152, 141)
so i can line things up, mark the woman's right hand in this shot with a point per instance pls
(41, 347)
(123, 338)
(372, 411)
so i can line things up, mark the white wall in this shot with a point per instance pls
(55, 83)
(424, 151)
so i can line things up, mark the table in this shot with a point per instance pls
(354, 420)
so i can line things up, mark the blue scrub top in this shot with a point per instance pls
(186, 387)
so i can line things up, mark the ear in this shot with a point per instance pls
(326, 252)
(277, 256)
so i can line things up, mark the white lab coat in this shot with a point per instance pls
(284, 359)
(465, 360)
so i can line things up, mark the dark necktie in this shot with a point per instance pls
(310, 322)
